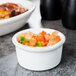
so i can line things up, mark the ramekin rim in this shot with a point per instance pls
(38, 49)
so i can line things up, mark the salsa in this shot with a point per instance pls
(8, 10)
(42, 39)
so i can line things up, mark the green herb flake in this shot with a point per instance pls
(38, 34)
(22, 38)
(27, 42)
(56, 36)
(39, 44)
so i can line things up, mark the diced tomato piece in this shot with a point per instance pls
(44, 43)
(24, 43)
(27, 35)
(34, 36)
(18, 39)
(51, 43)
(47, 37)
(55, 33)
(43, 33)
(52, 37)
(40, 38)
(32, 42)
(54, 41)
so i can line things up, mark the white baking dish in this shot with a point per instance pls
(39, 58)
(11, 24)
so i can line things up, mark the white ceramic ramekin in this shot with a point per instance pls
(11, 24)
(38, 58)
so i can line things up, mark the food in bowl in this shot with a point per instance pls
(39, 40)
(8, 10)
(14, 23)
(39, 58)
